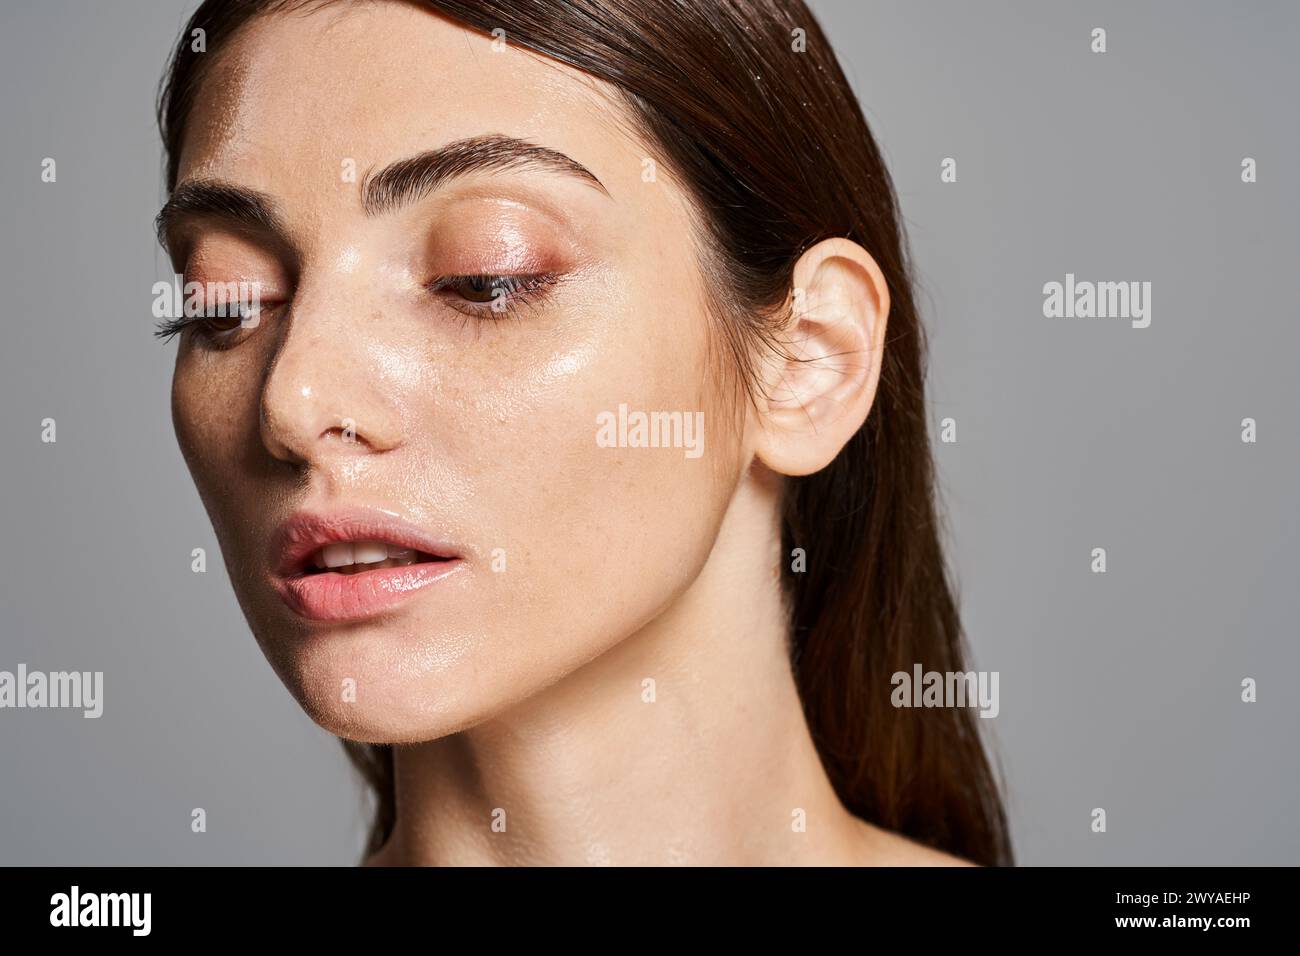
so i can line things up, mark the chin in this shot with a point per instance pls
(385, 684)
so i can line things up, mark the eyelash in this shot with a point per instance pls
(167, 329)
(520, 290)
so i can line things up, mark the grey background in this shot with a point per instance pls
(1118, 690)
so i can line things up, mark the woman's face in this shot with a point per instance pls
(383, 406)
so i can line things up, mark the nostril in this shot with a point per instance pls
(346, 431)
(349, 431)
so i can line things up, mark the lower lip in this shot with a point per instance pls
(330, 596)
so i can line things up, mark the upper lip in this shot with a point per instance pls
(306, 532)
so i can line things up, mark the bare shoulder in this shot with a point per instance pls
(887, 848)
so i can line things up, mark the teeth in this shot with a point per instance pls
(369, 552)
(337, 555)
(348, 554)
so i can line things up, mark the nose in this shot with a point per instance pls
(323, 397)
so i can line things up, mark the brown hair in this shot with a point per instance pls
(766, 137)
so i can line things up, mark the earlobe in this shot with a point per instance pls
(820, 388)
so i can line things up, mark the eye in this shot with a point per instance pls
(491, 294)
(481, 288)
(217, 325)
(225, 320)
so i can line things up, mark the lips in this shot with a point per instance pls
(357, 563)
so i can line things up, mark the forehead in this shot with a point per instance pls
(294, 96)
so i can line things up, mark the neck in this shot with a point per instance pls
(684, 744)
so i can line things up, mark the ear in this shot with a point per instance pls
(818, 393)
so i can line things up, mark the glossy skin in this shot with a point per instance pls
(520, 688)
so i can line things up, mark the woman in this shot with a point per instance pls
(563, 466)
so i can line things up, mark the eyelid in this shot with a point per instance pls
(514, 199)
(213, 259)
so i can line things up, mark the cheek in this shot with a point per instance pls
(594, 530)
(211, 410)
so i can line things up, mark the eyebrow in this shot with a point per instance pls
(232, 203)
(397, 184)
(410, 180)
